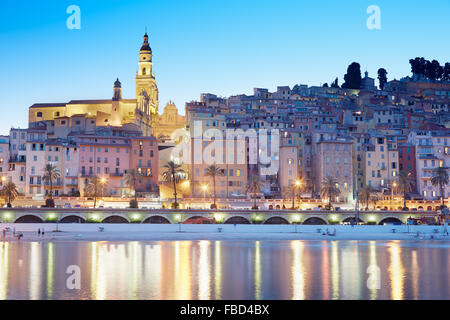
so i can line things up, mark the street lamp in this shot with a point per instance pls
(205, 188)
(297, 185)
(103, 182)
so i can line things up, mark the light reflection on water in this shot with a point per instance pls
(226, 270)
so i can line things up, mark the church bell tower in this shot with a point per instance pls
(146, 88)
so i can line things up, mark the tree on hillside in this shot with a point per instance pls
(418, 66)
(446, 72)
(335, 83)
(382, 77)
(430, 70)
(325, 85)
(352, 79)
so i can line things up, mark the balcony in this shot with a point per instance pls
(18, 159)
(116, 174)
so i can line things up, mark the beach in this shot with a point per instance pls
(217, 232)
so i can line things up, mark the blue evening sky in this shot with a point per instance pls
(219, 46)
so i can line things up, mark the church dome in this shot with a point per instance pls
(145, 45)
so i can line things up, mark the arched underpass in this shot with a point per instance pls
(390, 220)
(197, 220)
(156, 220)
(29, 219)
(115, 219)
(237, 220)
(314, 221)
(276, 220)
(72, 219)
(350, 219)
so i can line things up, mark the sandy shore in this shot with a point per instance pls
(91, 232)
(117, 236)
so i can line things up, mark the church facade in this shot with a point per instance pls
(86, 115)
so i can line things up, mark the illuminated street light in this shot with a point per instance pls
(394, 185)
(205, 188)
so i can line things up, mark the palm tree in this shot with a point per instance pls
(10, 192)
(132, 180)
(329, 190)
(50, 173)
(213, 171)
(440, 178)
(254, 186)
(95, 186)
(405, 183)
(173, 174)
(367, 194)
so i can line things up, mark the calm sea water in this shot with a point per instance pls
(227, 270)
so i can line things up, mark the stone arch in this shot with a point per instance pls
(237, 220)
(278, 207)
(429, 208)
(271, 207)
(350, 219)
(315, 221)
(197, 220)
(276, 220)
(72, 219)
(390, 220)
(419, 208)
(29, 218)
(115, 219)
(437, 208)
(156, 220)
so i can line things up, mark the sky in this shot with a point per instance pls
(224, 47)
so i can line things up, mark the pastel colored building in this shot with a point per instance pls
(332, 157)
(432, 151)
(407, 161)
(381, 162)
